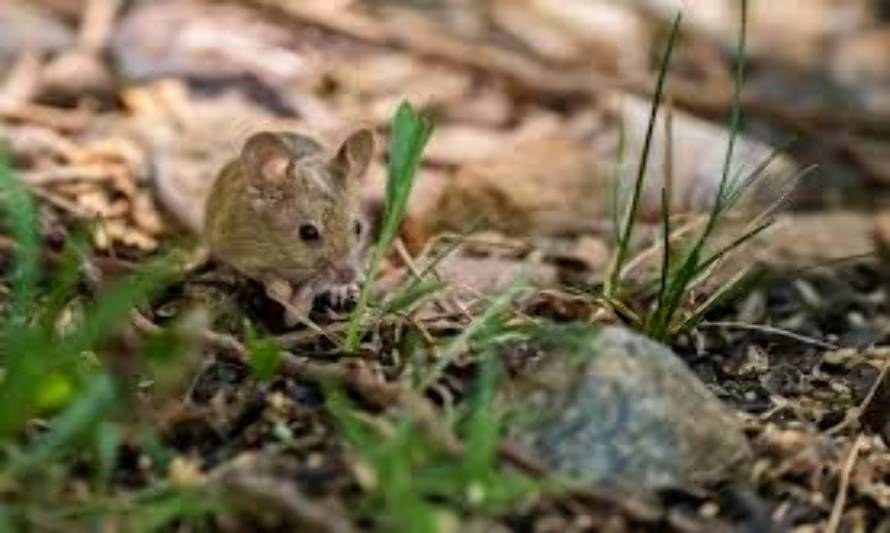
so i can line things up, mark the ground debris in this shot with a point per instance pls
(540, 105)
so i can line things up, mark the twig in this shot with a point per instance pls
(97, 24)
(284, 496)
(220, 341)
(51, 117)
(430, 269)
(406, 258)
(63, 203)
(841, 500)
(22, 80)
(289, 340)
(295, 338)
(306, 321)
(89, 172)
(854, 414)
(772, 331)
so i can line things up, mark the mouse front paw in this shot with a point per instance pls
(342, 297)
(297, 301)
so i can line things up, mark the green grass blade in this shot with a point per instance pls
(734, 286)
(410, 133)
(264, 356)
(665, 258)
(630, 214)
(735, 124)
(666, 195)
(739, 241)
(72, 423)
(20, 218)
(116, 306)
(691, 266)
(615, 208)
(460, 343)
(482, 430)
(416, 292)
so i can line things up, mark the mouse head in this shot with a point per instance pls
(310, 200)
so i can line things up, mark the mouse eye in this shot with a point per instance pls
(358, 228)
(308, 232)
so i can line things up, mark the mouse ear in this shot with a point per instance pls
(265, 158)
(354, 157)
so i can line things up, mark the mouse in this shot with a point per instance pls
(286, 212)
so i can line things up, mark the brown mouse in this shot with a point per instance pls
(287, 213)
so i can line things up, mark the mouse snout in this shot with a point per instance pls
(342, 274)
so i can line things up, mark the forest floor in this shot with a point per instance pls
(144, 391)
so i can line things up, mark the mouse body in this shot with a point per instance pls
(287, 212)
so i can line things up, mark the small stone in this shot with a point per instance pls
(623, 409)
(843, 357)
(754, 361)
(185, 472)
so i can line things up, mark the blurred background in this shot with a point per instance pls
(541, 110)
(100, 95)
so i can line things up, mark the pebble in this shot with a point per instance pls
(623, 409)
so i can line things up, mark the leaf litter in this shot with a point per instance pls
(519, 106)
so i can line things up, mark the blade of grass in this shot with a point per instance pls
(482, 429)
(460, 343)
(625, 311)
(735, 193)
(20, 215)
(691, 265)
(735, 121)
(630, 214)
(115, 306)
(81, 415)
(666, 195)
(615, 208)
(757, 226)
(265, 356)
(662, 326)
(721, 295)
(763, 221)
(412, 295)
(38, 359)
(410, 133)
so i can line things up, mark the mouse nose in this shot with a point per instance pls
(343, 274)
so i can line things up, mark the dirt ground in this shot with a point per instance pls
(538, 106)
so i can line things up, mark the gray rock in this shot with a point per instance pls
(613, 406)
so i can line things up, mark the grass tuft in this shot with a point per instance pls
(682, 271)
(410, 133)
(411, 481)
(57, 349)
(627, 225)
